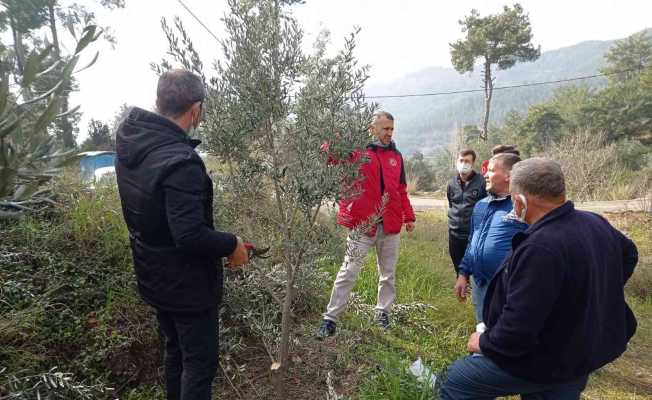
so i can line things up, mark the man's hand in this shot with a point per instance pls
(239, 257)
(461, 288)
(409, 226)
(474, 343)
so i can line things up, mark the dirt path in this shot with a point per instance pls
(427, 203)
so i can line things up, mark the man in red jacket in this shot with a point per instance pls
(374, 215)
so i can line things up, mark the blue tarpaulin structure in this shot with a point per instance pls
(94, 160)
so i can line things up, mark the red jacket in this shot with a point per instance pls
(383, 173)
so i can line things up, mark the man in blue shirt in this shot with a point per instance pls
(493, 224)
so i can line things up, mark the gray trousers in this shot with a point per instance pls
(358, 245)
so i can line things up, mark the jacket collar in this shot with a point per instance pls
(553, 215)
(193, 142)
(375, 147)
(143, 131)
(472, 176)
(493, 197)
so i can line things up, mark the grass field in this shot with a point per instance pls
(68, 301)
(431, 324)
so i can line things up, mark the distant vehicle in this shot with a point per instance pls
(96, 166)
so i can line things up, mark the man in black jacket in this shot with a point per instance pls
(167, 203)
(555, 311)
(463, 191)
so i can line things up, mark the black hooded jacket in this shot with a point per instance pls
(167, 203)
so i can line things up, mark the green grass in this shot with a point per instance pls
(67, 295)
(68, 300)
(430, 323)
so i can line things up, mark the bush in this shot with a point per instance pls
(442, 166)
(593, 168)
(420, 174)
(68, 294)
(640, 284)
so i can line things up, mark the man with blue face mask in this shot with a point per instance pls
(462, 192)
(167, 203)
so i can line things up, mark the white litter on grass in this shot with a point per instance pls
(423, 373)
(332, 393)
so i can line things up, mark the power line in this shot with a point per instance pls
(395, 96)
(501, 87)
(198, 20)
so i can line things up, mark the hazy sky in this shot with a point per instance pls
(397, 37)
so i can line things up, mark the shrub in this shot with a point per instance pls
(591, 165)
(52, 384)
(68, 294)
(640, 284)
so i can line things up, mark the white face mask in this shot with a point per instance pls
(521, 217)
(464, 168)
(192, 130)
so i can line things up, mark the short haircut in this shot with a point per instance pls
(507, 160)
(505, 148)
(177, 91)
(381, 114)
(466, 152)
(539, 177)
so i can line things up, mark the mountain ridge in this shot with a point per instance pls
(427, 123)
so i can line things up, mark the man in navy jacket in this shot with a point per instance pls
(555, 311)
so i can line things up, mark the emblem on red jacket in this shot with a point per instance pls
(392, 162)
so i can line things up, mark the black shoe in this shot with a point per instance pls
(326, 329)
(382, 320)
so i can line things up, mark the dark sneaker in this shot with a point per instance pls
(326, 329)
(382, 320)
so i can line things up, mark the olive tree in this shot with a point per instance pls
(29, 154)
(269, 110)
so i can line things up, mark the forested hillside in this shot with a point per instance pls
(424, 123)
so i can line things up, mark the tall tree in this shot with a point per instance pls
(499, 40)
(29, 157)
(22, 17)
(543, 126)
(26, 19)
(629, 57)
(72, 16)
(624, 108)
(99, 136)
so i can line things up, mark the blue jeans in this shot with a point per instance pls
(478, 378)
(478, 293)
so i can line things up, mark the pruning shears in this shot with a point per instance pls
(255, 252)
(252, 252)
